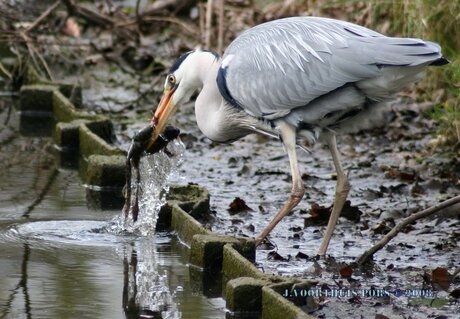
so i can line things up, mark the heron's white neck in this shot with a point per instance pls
(216, 119)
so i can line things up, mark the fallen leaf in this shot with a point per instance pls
(346, 272)
(380, 316)
(319, 215)
(273, 255)
(441, 277)
(455, 293)
(238, 205)
(301, 255)
(351, 213)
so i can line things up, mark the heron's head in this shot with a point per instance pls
(186, 75)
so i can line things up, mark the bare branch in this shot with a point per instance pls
(207, 36)
(403, 224)
(220, 36)
(43, 16)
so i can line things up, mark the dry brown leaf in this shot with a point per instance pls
(346, 272)
(441, 277)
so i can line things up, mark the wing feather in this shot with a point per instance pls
(284, 64)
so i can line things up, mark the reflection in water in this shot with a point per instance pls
(145, 289)
(59, 260)
(21, 284)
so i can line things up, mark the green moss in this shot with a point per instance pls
(37, 98)
(244, 294)
(105, 171)
(186, 226)
(91, 143)
(273, 304)
(235, 265)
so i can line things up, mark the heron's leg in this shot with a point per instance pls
(288, 134)
(341, 192)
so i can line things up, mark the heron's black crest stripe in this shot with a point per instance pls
(179, 61)
(223, 89)
(216, 55)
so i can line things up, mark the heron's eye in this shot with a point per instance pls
(171, 80)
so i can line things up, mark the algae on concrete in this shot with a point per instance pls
(274, 304)
(65, 111)
(186, 226)
(206, 250)
(234, 265)
(66, 134)
(193, 199)
(36, 98)
(106, 171)
(91, 144)
(244, 294)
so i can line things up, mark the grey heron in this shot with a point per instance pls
(299, 79)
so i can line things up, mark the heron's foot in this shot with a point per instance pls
(264, 243)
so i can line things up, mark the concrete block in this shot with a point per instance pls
(234, 265)
(244, 294)
(36, 98)
(91, 143)
(274, 304)
(110, 199)
(105, 171)
(186, 226)
(206, 251)
(73, 92)
(66, 134)
(65, 111)
(31, 76)
(208, 282)
(193, 199)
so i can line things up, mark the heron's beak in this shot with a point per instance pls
(164, 110)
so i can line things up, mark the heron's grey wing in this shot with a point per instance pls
(284, 64)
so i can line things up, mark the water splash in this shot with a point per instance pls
(155, 171)
(146, 287)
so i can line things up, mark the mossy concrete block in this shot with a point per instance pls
(66, 134)
(73, 92)
(207, 250)
(193, 199)
(106, 171)
(274, 304)
(244, 294)
(186, 226)
(36, 98)
(91, 143)
(31, 76)
(65, 111)
(234, 265)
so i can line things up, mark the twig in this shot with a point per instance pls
(405, 222)
(220, 36)
(5, 72)
(33, 52)
(138, 17)
(186, 26)
(202, 14)
(43, 16)
(87, 14)
(207, 37)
